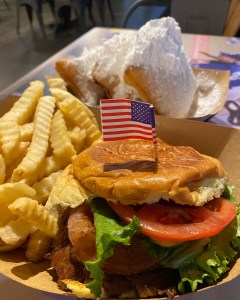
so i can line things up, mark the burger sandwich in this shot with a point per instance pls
(147, 227)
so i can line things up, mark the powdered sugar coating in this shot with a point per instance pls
(112, 63)
(85, 64)
(158, 49)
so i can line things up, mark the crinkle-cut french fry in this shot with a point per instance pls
(65, 96)
(26, 132)
(6, 215)
(16, 231)
(56, 82)
(44, 187)
(11, 158)
(50, 165)
(22, 151)
(78, 138)
(2, 170)
(29, 210)
(39, 145)
(93, 135)
(23, 109)
(60, 141)
(74, 111)
(9, 192)
(6, 247)
(66, 191)
(9, 138)
(38, 246)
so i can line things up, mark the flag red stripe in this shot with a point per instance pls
(115, 107)
(116, 120)
(126, 131)
(128, 125)
(115, 114)
(114, 138)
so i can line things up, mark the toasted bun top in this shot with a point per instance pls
(126, 171)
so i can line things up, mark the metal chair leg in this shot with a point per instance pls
(29, 14)
(100, 4)
(111, 11)
(79, 6)
(41, 23)
(40, 17)
(90, 14)
(18, 17)
(101, 9)
(53, 11)
(6, 4)
(34, 6)
(29, 11)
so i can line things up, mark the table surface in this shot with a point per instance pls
(202, 50)
(217, 52)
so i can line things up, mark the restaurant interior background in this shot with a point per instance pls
(20, 53)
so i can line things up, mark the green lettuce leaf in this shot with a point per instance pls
(178, 256)
(201, 261)
(228, 194)
(191, 277)
(214, 260)
(198, 262)
(209, 266)
(109, 232)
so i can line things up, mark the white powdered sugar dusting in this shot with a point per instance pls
(158, 49)
(113, 60)
(85, 65)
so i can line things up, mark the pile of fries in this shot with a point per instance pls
(39, 137)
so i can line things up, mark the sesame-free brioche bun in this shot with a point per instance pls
(126, 171)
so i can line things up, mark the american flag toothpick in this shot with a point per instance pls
(125, 119)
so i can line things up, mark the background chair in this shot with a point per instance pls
(79, 7)
(36, 7)
(101, 10)
(193, 16)
(201, 17)
(143, 10)
(6, 4)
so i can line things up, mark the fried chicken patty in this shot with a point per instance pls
(125, 271)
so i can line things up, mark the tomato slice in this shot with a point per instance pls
(177, 223)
